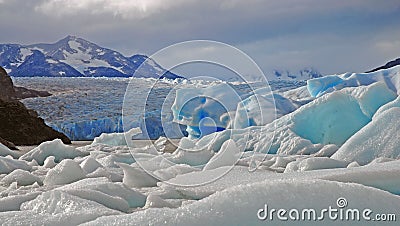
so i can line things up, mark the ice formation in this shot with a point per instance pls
(7, 165)
(4, 151)
(22, 177)
(67, 171)
(319, 86)
(340, 140)
(54, 148)
(201, 109)
(377, 139)
(308, 129)
(117, 139)
(233, 206)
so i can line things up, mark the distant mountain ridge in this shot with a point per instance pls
(387, 65)
(301, 75)
(75, 57)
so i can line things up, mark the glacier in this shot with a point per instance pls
(337, 144)
(84, 108)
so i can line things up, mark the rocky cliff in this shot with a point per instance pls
(19, 125)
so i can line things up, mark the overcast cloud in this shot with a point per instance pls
(332, 36)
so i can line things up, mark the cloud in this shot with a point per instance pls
(277, 34)
(125, 8)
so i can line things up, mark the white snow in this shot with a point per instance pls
(89, 165)
(227, 156)
(49, 162)
(7, 165)
(4, 151)
(13, 203)
(102, 190)
(58, 208)
(239, 205)
(117, 139)
(385, 176)
(54, 148)
(51, 61)
(81, 59)
(314, 164)
(137, 177)
(25, 52)
(67, 171)
(8, 70)
(342, 143)
(154, 201)
(380, 138)
(22, 177)
(319, 86)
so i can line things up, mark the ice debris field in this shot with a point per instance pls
(336, 137)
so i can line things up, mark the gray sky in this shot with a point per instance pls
(333, 36)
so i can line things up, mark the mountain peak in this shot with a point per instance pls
(67, 39)
(70, 38)
(75, 56)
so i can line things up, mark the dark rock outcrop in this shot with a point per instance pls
(19, 125)
(7, 92)
(10, 92)
(22, 93)
(388, 65)
(8, 144)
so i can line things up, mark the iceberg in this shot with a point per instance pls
(201, 109)
(328, 120)
(67, 171)
(320, 86)
(117, 139)
(22, 177)
(225, 106)
(377, 139)
(54, 148)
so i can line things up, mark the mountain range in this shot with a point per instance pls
(301, 75)
(75, 57)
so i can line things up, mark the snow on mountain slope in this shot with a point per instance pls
(301, 75)
(75, 57)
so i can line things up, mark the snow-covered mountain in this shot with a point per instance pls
(74, 57)
(302, 75)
